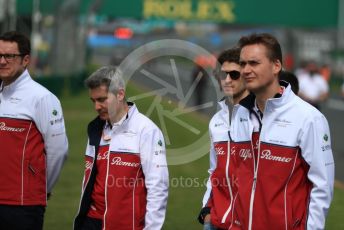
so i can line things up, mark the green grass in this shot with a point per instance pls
(336, 213)
(186, 181)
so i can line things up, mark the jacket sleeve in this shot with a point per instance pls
(154, 166)
(206, 202)
(212, 162)
(50, 122)
(316, 150)
(89, 161)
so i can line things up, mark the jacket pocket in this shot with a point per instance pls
(36, 184)
(296, 223)
(32, 178)
(32, 170)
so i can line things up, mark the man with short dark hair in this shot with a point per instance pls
(281, 148)
(32, 137)
(219, 195)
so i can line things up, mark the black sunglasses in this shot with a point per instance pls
(234, 74)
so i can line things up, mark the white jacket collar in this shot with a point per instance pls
(21, 80)
(272, 103)
(276, 102)
(223, 104)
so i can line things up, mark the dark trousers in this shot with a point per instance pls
(13, 217)
(92, 224)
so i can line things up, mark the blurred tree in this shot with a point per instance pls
(7, 15)
(69, 44)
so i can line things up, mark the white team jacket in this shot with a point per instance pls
(218, 132)
(136, 188)
(32, 126)
(285, 179)
(219, 194)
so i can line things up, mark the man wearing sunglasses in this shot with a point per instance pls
(217, 200)
(33, 142)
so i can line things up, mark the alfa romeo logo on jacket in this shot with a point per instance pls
(3, 127)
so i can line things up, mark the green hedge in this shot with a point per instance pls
(61, 85)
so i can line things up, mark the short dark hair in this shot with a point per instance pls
(291, 79)
(230, 55)
(22, 41)
(269, 41)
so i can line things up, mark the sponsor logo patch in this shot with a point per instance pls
(129, 133)
(266, 154)
(159, 152)
(103, 155)
(15, 100)
(219, 124)
(3, 127)
(219, 151)
(118, 161)
(56, 121)
(282, 122)
(245, 153)
(325, 147)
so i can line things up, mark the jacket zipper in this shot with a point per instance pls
(255, 175)
(254, 184)
(106, 187)
(229, 185)
(225, 215)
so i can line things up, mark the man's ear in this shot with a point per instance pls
(26, 60)
(277, 66)
(121, 95)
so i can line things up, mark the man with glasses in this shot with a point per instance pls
(217, 200)
(33, 142)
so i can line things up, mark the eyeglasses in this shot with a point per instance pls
(10, 57)
(234, 74)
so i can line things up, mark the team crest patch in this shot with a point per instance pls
(54, 112)
(325, 137)
(160, 142)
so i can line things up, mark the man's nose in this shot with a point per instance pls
(97, 105)
(228, 78)
(245, 69)
(2, 59)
